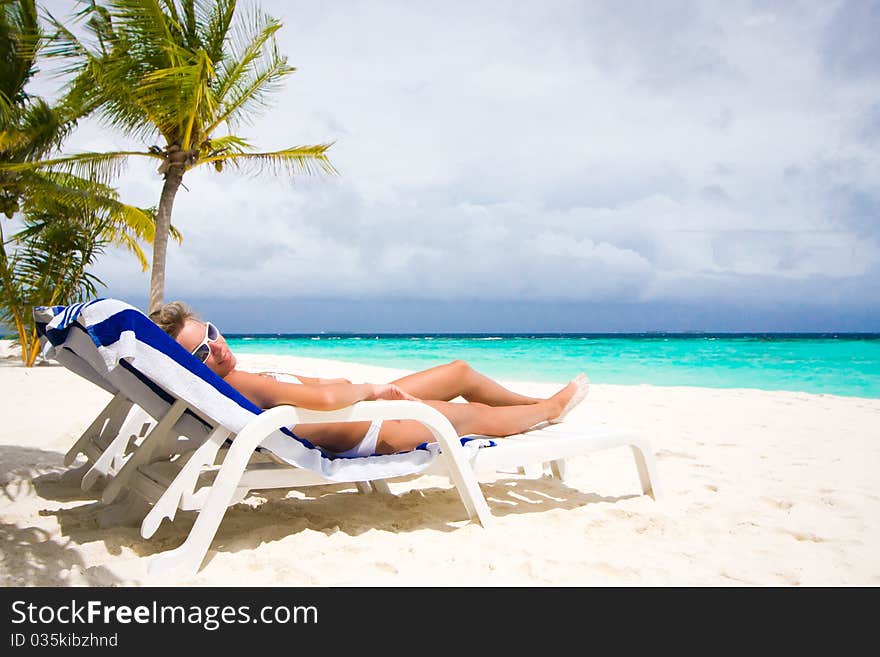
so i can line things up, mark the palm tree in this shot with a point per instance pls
(50, 265)
(29, 130)
(179, 71)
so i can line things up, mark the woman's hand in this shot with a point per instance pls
(390, 391)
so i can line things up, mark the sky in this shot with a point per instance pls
(554, 166)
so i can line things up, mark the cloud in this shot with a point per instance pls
(851, 49)
(562, 151)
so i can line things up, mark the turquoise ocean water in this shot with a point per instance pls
(838, 364)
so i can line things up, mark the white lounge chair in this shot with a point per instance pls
(195, 407)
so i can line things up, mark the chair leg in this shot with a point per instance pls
(532, 470)
(116, 409)
(142, 423)
(557, 467)
(187, 557)
(465, 482)
(647, 468)
(184, 483)
(74, 476)
(381, 486)
(125, 512)
(114, 454)
(143, 453)
(364, 487)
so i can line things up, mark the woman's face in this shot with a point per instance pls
(220, 359)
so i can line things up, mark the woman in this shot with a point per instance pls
(491, 410)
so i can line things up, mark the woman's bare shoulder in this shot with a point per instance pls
(269, 389)
(253, 386)
(246, 381)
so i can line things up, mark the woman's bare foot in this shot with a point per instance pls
(570, 396)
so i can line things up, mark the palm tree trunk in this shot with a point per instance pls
(34, 349)
(173, 178)
(12, 299)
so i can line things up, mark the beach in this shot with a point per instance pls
(760, 488)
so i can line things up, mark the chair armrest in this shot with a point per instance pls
(367, 411)
(437, 423)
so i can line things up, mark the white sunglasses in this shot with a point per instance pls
(203, 350)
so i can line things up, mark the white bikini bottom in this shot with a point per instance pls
(367, 445)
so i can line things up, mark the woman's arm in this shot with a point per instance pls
(312, 381)
(308, 380)
(266, 392)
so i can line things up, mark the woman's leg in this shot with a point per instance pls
(404, 435)
(446, 382)
(473, 418)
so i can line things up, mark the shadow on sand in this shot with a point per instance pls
(265, 516)
(30, 555)
(268, 515)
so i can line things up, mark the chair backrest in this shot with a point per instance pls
(74, 348)
(67, 357)
(117, 343)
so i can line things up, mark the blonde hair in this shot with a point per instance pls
(172, 316)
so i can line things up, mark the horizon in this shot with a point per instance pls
(535, 334)
(334, 334)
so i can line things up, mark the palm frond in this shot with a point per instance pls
(150, 31)
(189, 23)
(202, 104)
(100, 167)
(100, 24)
(34, 130)
(214, 27)
(170, 6)
(226, 144)
(126, 226)
(130, 244)
(6, 110)
(296, 160)
(246, 41)
(20, 39)
(252, 71)
(111, 78)
(98, 78)
(54, 252)
(62, 192)
(12, 139)
(137, 222)
(63, 44)
(185, 85)
(45, 128)
(248, 96)
(59, 194)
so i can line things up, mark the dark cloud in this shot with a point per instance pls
(664, 44)
(303, 315)
(868, 128)
(722, 120)
(851, 47)
(716, 194)
(856, 208)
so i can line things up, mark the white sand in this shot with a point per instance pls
(762, 488)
